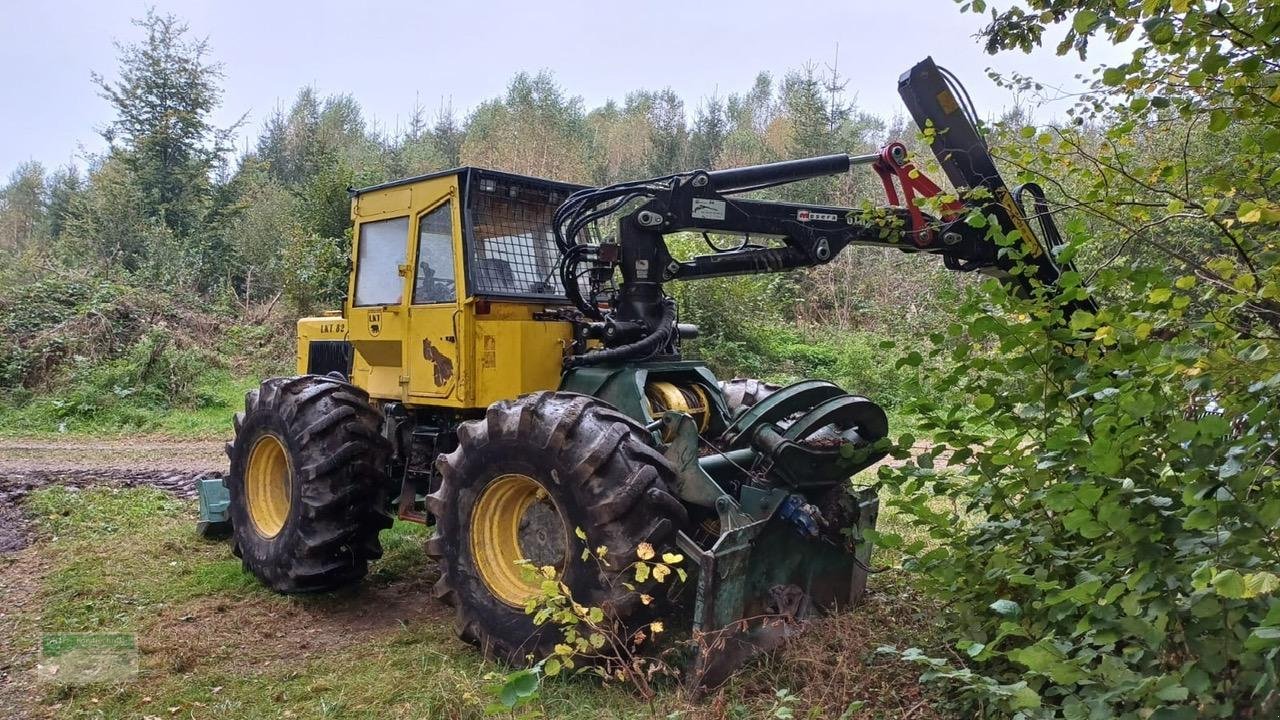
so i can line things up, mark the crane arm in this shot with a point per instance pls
(635, 318)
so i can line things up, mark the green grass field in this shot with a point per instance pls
(218, 394)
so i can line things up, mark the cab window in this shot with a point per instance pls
(433, 279)
(382, 250)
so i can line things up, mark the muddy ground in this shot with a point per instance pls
(198, 629)
(26, 465)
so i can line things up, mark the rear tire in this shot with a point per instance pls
(520, 483)
(742, 393)
(308, 483)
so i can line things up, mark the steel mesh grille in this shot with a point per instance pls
(512, 249)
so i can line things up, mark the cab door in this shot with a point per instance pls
(434, 316)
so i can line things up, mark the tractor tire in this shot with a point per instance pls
(742, 393)
(520, 484)
(308, 483)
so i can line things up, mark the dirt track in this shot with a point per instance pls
(26, 465)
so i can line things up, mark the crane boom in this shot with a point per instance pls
(636, 319)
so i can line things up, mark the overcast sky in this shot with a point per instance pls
(389, 53)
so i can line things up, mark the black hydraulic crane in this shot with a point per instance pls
(634, 319)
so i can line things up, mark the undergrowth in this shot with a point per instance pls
(87, 356)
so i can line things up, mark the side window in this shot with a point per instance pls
(433, 279)
(382, 250)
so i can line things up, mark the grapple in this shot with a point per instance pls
(779, 530)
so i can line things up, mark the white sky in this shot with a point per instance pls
(388, 54)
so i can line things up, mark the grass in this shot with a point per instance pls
(215, 644)
(218, 394)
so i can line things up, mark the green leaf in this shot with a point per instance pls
(551, 668)
(1172, 693)
(519, 685)
(984, 402)
(1207, 606)
(1160, 30)
(1007, 608)
(1082, 319)
(883, 539)
(1218, 120)
(1084, 21)
(1229, 584)
(1023, 697)
(1074, 709)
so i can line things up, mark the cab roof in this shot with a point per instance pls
(464, 170)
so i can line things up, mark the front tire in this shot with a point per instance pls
(520, 484)
(308, 483)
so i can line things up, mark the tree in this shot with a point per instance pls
(535, 129)
(23, 207)
(164, 97)
(710, 126)
(63, 187)
(669, 136)
(448, 136)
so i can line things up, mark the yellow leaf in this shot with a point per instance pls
(655, 627)
(1142, 331)
(660, 572)
(645, 551)
(1186, 282)
(582, 534)
(548, 572)
(601, 551)
(1253, 215)
(645, 599)
(562, 649)
(672, 558)
(642, 572)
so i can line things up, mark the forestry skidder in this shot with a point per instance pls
(508, 368)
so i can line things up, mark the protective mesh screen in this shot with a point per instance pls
(512, 250)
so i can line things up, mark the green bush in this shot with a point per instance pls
(1114, 549)
(856, 361)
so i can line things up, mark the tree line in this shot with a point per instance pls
(170, 202)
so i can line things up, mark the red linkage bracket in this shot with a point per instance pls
(893, 163)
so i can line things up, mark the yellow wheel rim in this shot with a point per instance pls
(514, 519)
(267, 485)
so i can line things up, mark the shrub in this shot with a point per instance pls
(1116, 545)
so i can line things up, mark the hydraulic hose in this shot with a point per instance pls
(642, 348)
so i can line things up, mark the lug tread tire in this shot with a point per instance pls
(605, 476)
(339, 484)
